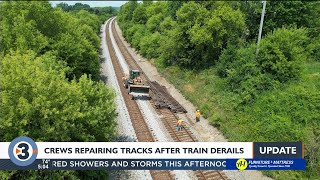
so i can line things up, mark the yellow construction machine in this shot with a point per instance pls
(136, 87)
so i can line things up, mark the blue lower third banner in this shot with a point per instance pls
(159, 164)
(119, 164)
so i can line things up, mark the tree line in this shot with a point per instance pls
(50, 80)
(198, 35)
(102, 13)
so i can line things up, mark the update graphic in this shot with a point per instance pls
(24, 153)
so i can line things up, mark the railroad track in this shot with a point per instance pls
(163, 98)
(140, 126)
(168, 117)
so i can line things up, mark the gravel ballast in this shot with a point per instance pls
(124, 125)
(154, 122)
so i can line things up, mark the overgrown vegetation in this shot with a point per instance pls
(50, 88)
(207, 49)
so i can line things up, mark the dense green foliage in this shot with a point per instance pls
(195, 39)
(280, 60)
(49, 76)
(41, 28)
(39, 102)
(207, 49)
(102, 13)
(278, 14)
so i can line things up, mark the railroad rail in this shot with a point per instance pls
(139, 125)
(168, 116)
(163, 98)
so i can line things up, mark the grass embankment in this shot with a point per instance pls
(290, 113)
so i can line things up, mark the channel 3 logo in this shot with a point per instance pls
(242, 164)
(23, 151)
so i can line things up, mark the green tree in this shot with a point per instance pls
(80, 6)
(38, 101)
(157, 8)
(87, 18)
(167, 25)
(104, 13)
(80, 55)
(139, 15)
(201, 35)
(153, 23)
(149, 45)
(173, 7)
(17, 31)
(126, 11)
(64, 6)
(25, 26)
(279, 14)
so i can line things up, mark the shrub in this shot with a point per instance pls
(282, 52)
(279, 60)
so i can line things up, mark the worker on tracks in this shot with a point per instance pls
(179, 124)
(198, 115)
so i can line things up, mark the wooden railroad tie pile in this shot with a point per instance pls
(163, 99)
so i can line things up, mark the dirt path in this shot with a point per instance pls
(202, 130)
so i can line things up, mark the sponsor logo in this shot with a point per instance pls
(242, 164)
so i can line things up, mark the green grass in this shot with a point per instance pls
(290, 113)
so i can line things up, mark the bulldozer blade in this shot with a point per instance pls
(139, 90)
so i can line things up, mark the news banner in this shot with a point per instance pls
(24, 154)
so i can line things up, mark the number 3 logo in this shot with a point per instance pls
(23, 151)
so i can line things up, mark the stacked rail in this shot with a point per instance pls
(168, 117)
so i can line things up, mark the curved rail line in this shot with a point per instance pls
(168, 117)
(140, 126)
